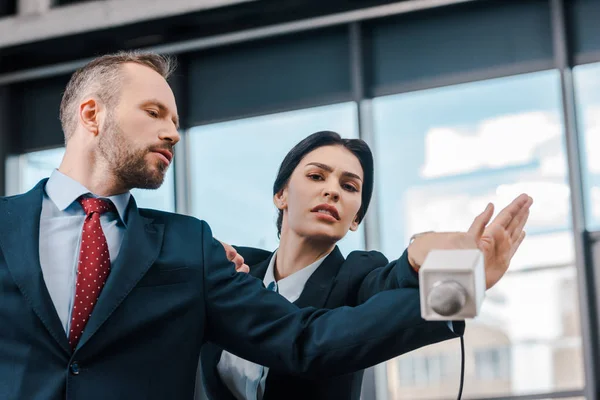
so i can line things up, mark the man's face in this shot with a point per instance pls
(140, 132)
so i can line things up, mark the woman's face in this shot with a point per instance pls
(323, 195)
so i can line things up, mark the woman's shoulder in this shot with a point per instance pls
(360, 260)
(253, 255)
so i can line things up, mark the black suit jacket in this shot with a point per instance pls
(336, 283)
(170, 290)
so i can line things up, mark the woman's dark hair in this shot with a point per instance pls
(327, 138)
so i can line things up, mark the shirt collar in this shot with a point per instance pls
(270, 274)
(293, 285)
(64, 190)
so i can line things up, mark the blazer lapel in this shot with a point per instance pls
(321, 282)
(20, 244)
(259, 270)
(141, 245)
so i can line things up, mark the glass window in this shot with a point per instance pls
(26, 170)
(442, 154)
(234, 164)
(587, 86)
(492, 363)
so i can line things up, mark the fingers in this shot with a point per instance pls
(243, 268)
(238, 260)
(480, 222)
(509, 212)
(235, 258)
(517, 243)
(230, 252)
(240, 266)
(515, 228)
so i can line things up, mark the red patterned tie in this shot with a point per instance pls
(93, 267)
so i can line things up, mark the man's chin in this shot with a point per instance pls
(154, 183)
(150, 186)
(155, 176)
(149, 181)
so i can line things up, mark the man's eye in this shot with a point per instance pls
(152, 113)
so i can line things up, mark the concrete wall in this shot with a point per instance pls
(38, 20)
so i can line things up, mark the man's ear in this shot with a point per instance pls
(89, 115)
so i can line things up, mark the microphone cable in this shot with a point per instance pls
(462, 366)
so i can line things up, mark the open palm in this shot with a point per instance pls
(499, 240)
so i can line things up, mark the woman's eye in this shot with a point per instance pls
(315, 177)
(350, 188)
(152, 113)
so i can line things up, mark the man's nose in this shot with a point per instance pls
(172, 136)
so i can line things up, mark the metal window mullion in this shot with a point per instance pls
(583, 262)
(375, 379)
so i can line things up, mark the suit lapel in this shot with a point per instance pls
(259, 270)
(20, 244)
(321, 282)
(141, 245)
(315, 294)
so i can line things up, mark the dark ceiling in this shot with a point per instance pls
(169, 30)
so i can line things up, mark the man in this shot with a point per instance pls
(102, 300)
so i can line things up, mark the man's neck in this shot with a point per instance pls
(295, 253)
(92, 174)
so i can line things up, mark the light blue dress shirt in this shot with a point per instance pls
(244, 379)
(61, 223)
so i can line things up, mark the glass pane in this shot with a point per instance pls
(234, 164)
(455, 149)
(162, 198)
(526, 340)
(587, 86)
(38, 165)
(32, 167)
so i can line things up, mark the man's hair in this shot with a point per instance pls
(103, 77)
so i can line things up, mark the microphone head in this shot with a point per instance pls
(451, 284)
(447, 298)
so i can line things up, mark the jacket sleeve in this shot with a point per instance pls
(263, 327)
(377, 274)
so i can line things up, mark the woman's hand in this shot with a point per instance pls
(234, 257)
(498, 241)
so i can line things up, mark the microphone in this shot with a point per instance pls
(451, 284)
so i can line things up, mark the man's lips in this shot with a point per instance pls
(166, 154)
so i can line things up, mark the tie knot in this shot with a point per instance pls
(94, 205)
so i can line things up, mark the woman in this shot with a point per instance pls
(322, 191)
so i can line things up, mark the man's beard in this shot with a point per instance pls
(129, 164)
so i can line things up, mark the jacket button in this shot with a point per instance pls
(74, 368)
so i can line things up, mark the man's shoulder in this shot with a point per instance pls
(173, 220)
(22, 196)
(13, 197)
